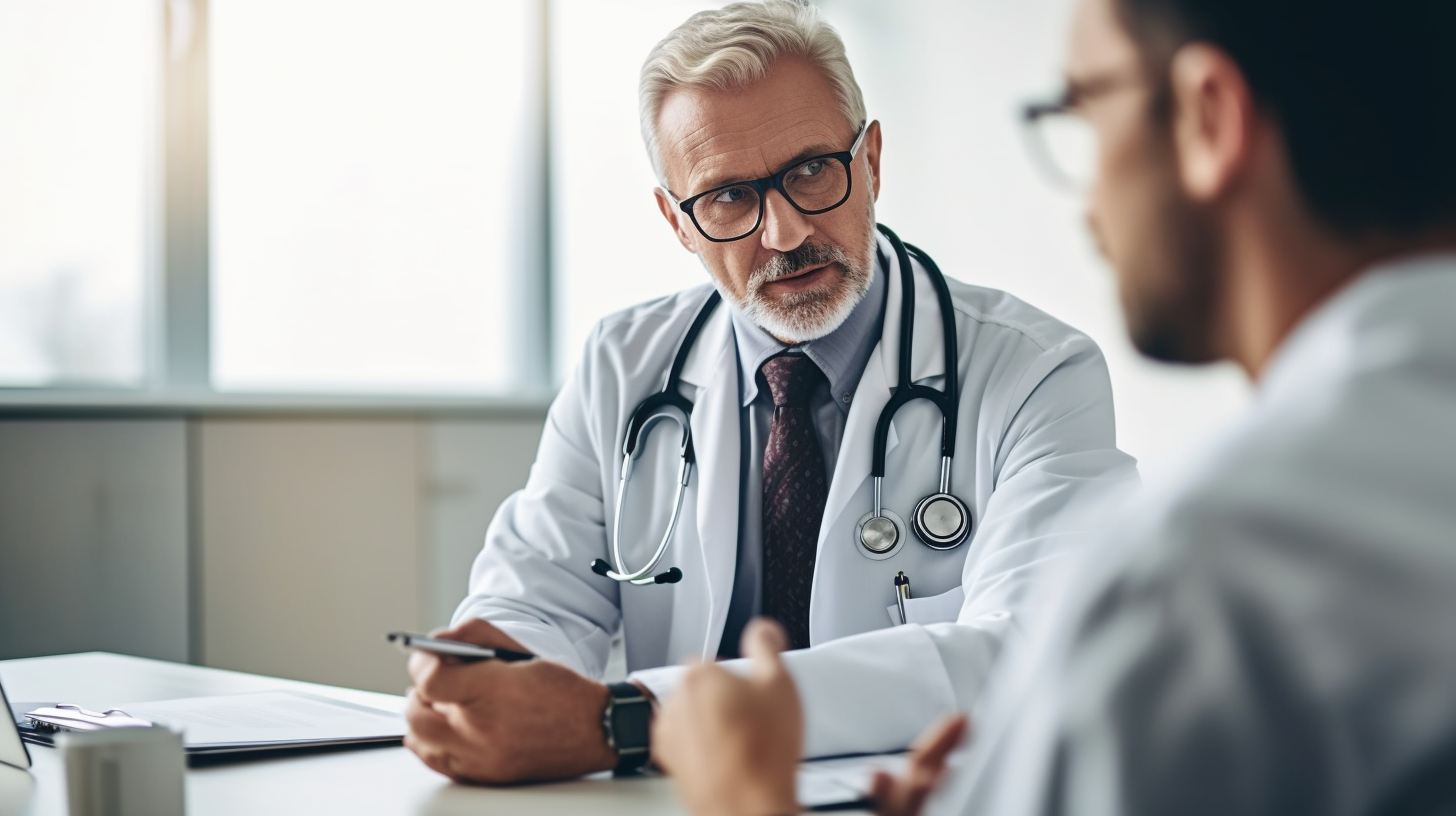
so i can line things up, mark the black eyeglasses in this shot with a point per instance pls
(814, 185)
(1062, 142)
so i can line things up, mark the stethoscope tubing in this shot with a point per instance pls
(947, 400)
(648, 412)
(684, 475)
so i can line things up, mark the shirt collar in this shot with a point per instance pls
(841, 354)
(1343, 331)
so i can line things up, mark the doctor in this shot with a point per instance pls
(769, 172)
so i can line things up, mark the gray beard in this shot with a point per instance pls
(803, 316)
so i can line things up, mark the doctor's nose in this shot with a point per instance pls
(784, 228)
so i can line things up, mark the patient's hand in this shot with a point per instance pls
(733, 743)
(495, 722)
(905, 795)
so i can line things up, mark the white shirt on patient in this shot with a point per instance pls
(1275, 632)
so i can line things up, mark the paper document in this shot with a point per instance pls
(274, 719)
(843, 780)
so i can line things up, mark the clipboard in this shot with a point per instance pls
(236, 723)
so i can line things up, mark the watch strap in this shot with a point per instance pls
(627, 721)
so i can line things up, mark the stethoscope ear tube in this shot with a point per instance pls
(643, 418)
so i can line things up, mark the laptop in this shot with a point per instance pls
(12, 748)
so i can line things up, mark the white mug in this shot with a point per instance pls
(124, 772)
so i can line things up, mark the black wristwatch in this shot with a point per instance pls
(627, 721)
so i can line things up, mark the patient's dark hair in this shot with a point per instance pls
(1364, 92)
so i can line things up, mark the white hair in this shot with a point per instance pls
(735, 46)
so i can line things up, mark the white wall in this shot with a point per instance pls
(947, 80)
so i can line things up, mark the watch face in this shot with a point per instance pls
(631, 724)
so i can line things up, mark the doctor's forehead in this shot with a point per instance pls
(714, 136)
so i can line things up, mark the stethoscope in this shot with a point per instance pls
(940, 520)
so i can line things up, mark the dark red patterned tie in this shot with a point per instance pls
(794, 490)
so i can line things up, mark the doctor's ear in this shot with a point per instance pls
(872, 155)
(686, 234)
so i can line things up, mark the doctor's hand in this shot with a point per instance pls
(495, 722)
(905, 795)
(733, 743)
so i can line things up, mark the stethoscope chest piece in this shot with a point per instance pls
(942, 521)
(879, 536)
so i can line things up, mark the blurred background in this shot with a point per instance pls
(287, 285)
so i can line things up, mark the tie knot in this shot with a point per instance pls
(791, 379)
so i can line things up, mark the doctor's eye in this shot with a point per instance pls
(732, 195)
(810, 169)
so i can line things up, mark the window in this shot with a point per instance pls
(366, 173)
(606, 261)
(79, 82)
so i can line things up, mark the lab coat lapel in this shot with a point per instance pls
(712, 368)
(852, 466)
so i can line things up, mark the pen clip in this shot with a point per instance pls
(902, 594)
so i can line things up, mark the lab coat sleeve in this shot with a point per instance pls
(532, 579)
(1056, 458)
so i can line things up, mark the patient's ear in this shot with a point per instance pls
(1214, 120)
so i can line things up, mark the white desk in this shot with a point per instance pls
(367, 781)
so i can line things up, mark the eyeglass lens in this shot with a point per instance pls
(1067, 146)
(813, 187)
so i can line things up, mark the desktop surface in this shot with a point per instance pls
(363, 782)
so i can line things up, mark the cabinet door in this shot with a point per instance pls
(93, 537)
(310, 547)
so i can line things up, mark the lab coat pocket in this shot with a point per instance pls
(942, 608)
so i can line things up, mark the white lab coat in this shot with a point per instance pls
(1275, 635)
(1036, 441)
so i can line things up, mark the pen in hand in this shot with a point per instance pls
(467, 652)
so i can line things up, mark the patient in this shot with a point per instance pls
(1270, 633)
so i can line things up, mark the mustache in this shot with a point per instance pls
(795, 260)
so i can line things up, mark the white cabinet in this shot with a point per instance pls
(94, 537)
(280, 545)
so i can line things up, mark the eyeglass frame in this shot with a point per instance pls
(1067, 103)
(761, 186)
